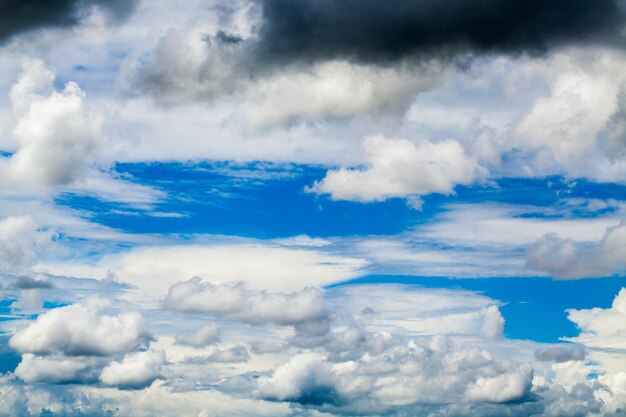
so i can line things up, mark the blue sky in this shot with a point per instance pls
(317, 208)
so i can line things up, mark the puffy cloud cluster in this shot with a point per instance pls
(565, 258)
(235, 301)
(401, 168)
(73, 344)
(80, 329)
(433, 372)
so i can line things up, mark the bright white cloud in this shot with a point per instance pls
(57, 135)
(80, 329)
(135, 370)
(57, 369)
(400, 168)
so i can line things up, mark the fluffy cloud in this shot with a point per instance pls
(602, 328)
(135, 370)
(565, 258)
(57, 135)
(235, 301)
(80, 329)
(400, 168)
(421, 372)
(57, 369)
(576, 128)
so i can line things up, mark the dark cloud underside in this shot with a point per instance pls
(388, 30)
(22, 15)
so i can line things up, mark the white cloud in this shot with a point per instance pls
(602, 328)
(502, 388)
(400, 168)
(424, 372)
(235, 301)
(135, 370)
(57, 369)
(567, 128)
(565, 258)
(155, 269)
(80, 329)
(57, 135)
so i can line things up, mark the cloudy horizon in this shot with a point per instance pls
(318, 208)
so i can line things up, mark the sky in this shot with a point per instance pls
(316, 208)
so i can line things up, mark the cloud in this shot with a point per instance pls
(156, 268)
(31, 283)
(21, 242)
(432, 372)
(602, 327)
(213, 58)
(400, 168)
(235, 354)
(58, 136)
(373, 31)
(561, 354)
(136, 370)
(235, 301)
(565, 258)
(57, 369)
(80, 330)
(206, 335)
(18, 16)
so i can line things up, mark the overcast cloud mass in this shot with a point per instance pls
(316, 208)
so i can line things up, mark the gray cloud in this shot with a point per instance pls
(18, 16)
(375, 31)
(24, 282)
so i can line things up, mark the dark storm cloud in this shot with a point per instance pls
(379, 31)
(22, 15)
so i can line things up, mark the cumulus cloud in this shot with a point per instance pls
(57, 369)
(136, 370)
(79, 330)
(20, 243)
(206, 335)
(431, 371)
(401, 168)
(57, 135)
(235, 301)
(565, 258)
(600, 327)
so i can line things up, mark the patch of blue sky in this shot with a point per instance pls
(265, 201)
(533, 308)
